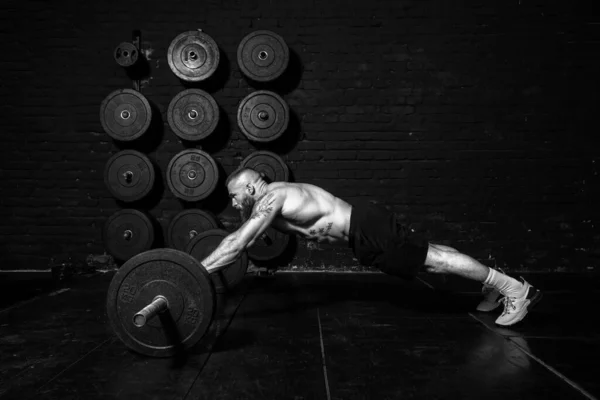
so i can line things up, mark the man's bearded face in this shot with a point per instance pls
(246, 208)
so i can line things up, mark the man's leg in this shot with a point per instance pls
(519, 296)
(447, 260)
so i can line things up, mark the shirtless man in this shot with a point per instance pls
(375, 236)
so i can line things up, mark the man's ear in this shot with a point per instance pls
(250, 189)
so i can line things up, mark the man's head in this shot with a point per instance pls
(245, 186)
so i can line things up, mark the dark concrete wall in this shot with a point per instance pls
(475, 121)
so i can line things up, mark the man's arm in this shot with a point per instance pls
(265, 210)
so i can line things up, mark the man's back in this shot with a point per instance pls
(312, 212)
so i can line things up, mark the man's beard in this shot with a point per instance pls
(246, 210)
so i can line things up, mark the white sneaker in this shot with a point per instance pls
(491, 299)
(516, 308)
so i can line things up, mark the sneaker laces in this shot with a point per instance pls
(508, 304)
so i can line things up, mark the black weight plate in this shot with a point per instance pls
(186, 285)
(129, 175)
(192, 175)
(263, 55)
(127, 233)
(269, 163)
(126, 54)
(270, 246)
(263, 116)
(193, 56)
(193, 114)
(187, 224)
(125, 114)
(204, 244)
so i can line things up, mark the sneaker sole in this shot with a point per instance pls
(534, 300)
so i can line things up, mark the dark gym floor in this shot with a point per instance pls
(314, 336)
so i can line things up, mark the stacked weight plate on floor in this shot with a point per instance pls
(204, 244)
(161, 302)
(263, 116)
(193, 114)
(193, 56)
(129, 175)
(188, 224)
(263, 56)
(125, 114)
(192, 175)
(127, 233)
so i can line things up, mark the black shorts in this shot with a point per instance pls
(379, 239)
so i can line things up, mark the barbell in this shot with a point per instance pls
(163, 300)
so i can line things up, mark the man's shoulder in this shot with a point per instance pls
(281, 188)
(282, 192)
(274, 194)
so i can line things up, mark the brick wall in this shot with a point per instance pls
(473, 120)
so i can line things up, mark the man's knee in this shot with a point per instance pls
(439, 258)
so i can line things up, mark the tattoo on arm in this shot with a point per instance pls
(264, 206)
(312, 232)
